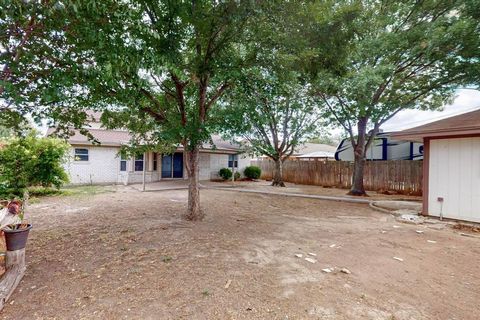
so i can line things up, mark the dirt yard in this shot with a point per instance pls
(124, 254)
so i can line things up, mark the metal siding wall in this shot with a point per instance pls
(455, 175)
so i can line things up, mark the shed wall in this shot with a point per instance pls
(454, 175)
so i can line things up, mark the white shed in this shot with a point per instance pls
(451, 168)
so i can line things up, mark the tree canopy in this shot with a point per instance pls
(38, 77)
(401, 55)
(272, 106)
(158, 68)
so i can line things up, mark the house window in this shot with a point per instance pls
(81, 154)
(139, 163)
(233, 160)
(123, 164)
(154, 161)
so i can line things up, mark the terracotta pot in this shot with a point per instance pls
(16, 239)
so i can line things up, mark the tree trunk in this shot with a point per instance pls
(357, 188)
(194, 213)
(278, 174)
(359, 151)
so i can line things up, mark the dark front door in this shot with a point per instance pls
(166, 166)
(177, 165)
(172, 165)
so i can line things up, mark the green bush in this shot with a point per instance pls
(31, 161)
(237, 175)
(225, 173)
(252, 172)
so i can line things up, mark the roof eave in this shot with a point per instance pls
(420, 135)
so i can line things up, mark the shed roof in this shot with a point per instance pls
(459, 125)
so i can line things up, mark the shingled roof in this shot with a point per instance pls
(462, 124)
(117, 138)
(105, 137)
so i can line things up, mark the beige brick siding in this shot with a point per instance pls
(103, 166)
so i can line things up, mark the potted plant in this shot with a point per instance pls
(13, 226)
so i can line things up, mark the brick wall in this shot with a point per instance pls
(102, 166)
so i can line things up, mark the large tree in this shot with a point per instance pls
(158, 68)
(34, 60)
(403, 54)
(273, 110)
(274, 114)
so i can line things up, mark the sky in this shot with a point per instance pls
(466, 100)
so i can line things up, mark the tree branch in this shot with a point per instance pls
(218, 93)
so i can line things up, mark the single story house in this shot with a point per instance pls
(310, 151)
(102, 164)
(451, 165)
(315, 151)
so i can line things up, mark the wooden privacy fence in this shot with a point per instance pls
(402, 176)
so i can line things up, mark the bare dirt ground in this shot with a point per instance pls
(124, 254)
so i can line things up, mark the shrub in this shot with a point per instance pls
(237, 175)
(252, 172)
(31, 161)
(225, 173)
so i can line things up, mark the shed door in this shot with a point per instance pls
(454, 175)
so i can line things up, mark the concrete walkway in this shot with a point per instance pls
(171, 185)
(290, 194)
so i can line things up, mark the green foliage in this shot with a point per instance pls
(237, 175)
(328, 139)
(45, 192)
(225, 173)
(252, 172)
(38, 78)
(398, 55)
(158, 68)
(31, 161)
(274, 112)
(274, 108)
(5, 132)
(401, 55)
(163, 78)
(86, 190)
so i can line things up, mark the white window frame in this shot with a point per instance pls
(137, 159)
(77, 156)
(123, 160)
(234, 159)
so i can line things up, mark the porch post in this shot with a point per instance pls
(144, 170)
(150, 160)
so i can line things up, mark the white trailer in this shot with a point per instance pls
(382, 148)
